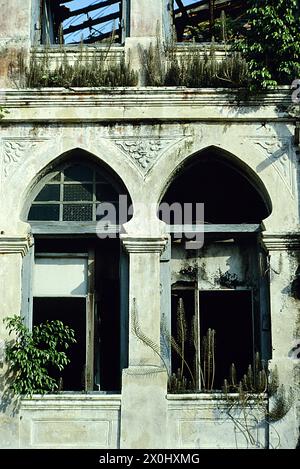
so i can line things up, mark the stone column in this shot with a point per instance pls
(149, 22)
(12, 249)
(284, 252)
(144, 384)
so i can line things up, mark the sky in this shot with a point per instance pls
(75, 4)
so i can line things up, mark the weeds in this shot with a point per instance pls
(89, 70)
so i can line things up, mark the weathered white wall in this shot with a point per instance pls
(232, 260)
(145, 135)
(268, 150)
(68, 422)
(208, 422)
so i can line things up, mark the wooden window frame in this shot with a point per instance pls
(90, 306)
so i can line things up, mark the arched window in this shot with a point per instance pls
(223, 285)
(73, 194)
(77, 276)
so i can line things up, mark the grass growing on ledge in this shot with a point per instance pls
(89, 70)
(195, 69)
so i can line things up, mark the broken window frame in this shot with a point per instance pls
(52, 33)
(191, 15)
(98, 371)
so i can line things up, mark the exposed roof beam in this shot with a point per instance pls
(91, 22)
(96, 6)
(182, 8)
(100, 37)
(202, 12)
(204, 5)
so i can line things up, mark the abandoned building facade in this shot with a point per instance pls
(137, 378)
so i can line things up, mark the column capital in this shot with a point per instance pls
(15, 244)
(144, 244)
(281, 241)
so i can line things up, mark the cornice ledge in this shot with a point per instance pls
(15, 245)
(144, 244)
(281, 241)
(140, 95)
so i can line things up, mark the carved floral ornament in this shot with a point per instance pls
(14, 151)
(144, 152)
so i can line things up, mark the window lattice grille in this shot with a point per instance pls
(73, 195)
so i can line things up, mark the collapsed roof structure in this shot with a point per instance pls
(205, 13)
(100, 19)
(82, 23)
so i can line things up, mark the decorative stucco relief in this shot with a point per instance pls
(280, 154)
(144, 152)
(13, 151)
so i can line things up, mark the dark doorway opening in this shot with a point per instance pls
(229, 313)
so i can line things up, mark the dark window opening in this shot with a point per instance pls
(72, 312)
(203, 20)
(73, 22)
(226, 192)
(94, 314)
(229, 314)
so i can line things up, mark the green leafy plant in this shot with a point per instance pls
(32, 354)
(271, 45)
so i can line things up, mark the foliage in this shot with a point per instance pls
(255, 380)
(32, 354)
(224, 29)
(250, 393)
(208, 360)
(281, 404)
(194, 69)
(90, 69)
(271, 44)
(178, 381)
(143, 337)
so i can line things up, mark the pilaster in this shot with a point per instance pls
(144, 383)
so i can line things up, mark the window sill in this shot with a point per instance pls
(75, 395)
(213, 396)
(72, 400)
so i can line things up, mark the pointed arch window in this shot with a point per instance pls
(77, 276)
(73, 194)
(223, 285)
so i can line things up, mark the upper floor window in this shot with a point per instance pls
(203, 20)
(87, 21)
